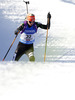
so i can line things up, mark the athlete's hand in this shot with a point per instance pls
(16, 32)
(49, 15)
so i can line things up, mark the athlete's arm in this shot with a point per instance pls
(42, 25)
(20, 28)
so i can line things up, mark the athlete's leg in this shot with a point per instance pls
(30, 53)
(31, 56)
(17, 55)
(19, 52)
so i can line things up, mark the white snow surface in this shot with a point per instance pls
(39, 80)
(43, 81)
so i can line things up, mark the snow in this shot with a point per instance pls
(39, 80)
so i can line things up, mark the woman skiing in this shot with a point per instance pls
(27, 38)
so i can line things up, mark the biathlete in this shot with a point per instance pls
(28, 29)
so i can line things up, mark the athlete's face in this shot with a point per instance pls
(30, 23)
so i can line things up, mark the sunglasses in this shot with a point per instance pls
(31, 22)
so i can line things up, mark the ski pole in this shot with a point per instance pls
(46, 42)
(10, 47)
(27, 2)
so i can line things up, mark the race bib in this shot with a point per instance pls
(27, 38)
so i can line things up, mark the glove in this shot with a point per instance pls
(49, 15)
(16, 32)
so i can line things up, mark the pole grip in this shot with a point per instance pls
(27, 2)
